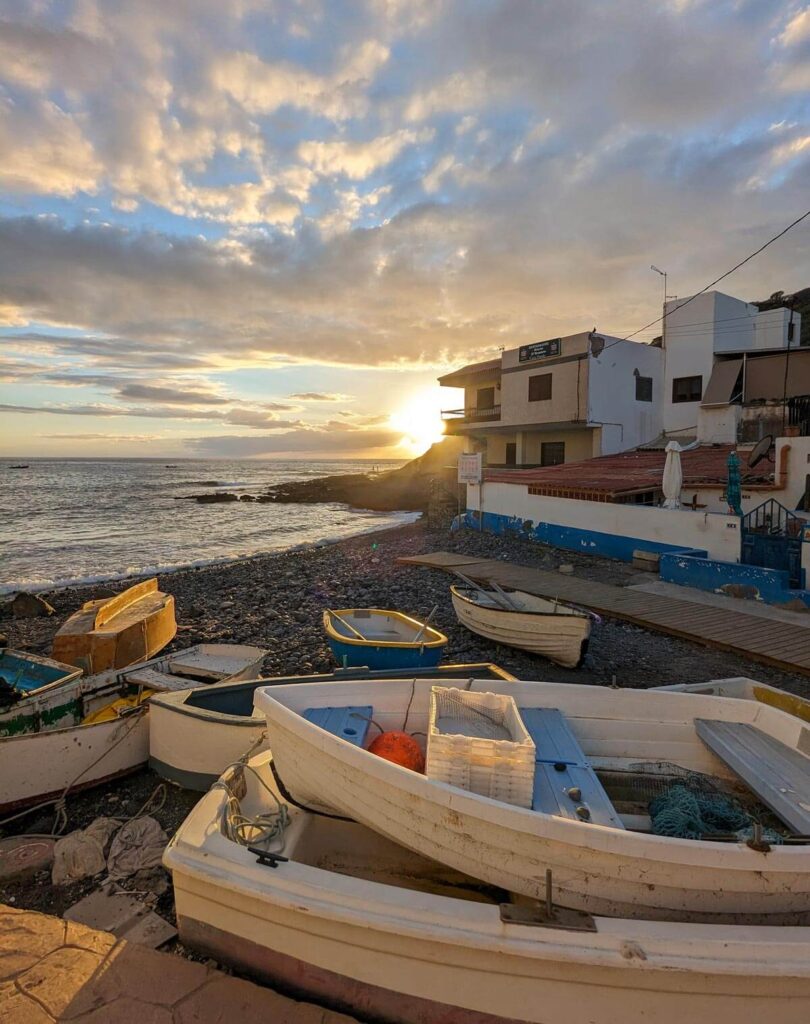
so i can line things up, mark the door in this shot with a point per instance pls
(511, 453)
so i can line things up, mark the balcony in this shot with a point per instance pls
(472, 415)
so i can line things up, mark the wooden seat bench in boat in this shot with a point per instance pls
(348, 723)
(777, 774)
(565, 785)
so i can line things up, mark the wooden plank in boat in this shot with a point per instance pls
(777, 774)
(347, 723)
(572, 791)
(155, 680)
(552, 736)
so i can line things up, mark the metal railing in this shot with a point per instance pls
(472, 414)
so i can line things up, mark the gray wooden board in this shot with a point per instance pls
(778, 775)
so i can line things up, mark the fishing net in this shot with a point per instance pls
(686, 813)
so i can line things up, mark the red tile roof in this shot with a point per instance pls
(627, 473)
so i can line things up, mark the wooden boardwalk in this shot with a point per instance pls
(782, 644)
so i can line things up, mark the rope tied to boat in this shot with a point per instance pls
(245, 829)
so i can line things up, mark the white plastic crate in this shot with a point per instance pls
(478, 742)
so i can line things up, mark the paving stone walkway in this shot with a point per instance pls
(55, 970)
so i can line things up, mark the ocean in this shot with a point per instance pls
(65, 522)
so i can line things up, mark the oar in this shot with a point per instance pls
(418, 636)
(496, 597)
(505, 596)
(348, 625)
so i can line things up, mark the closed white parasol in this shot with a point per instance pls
(673, 476)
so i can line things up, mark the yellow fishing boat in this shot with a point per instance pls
(118, 631)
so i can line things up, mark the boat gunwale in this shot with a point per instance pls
(571, 610)
(439, 641)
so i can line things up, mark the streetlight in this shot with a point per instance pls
(663, 274)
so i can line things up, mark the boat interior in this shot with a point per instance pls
(615, 759)
(379, 626)
(25, 673)
(516, 601)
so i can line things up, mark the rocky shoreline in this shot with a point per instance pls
(277, 601)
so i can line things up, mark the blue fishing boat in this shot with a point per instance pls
(381, 639)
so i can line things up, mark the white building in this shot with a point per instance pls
(701, 336)
(560, 400)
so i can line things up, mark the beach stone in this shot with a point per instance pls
(29, 606)
(566, 569)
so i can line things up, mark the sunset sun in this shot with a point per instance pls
(420, 421)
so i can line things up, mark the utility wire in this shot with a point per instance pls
(711, 284)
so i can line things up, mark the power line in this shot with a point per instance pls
(717, 280)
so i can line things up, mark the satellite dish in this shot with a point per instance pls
(760, 451)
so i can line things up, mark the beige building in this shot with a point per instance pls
(559, 400)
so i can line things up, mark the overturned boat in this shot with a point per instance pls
(117, 631)
(592, 748)
(332, 911)
(552, 629)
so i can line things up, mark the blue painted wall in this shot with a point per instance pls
(688, 567)
(590, 542)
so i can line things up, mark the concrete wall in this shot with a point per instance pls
(626, 422)
(578, 444)
(471, 393)
(750, 582)
(569, 390)
(717, 424)
(603, 528)
(771, 328)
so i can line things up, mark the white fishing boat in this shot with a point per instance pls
(743, 688)
(555, 630)
(599, 753)
(349, 919)
(98, 728)
(195, 734)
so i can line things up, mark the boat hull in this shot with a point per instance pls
(121, 631)
(409, 957)
(595, 868)
(40, 766)
(384, 657)
(560, 638)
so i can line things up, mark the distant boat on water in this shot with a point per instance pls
(20, 465)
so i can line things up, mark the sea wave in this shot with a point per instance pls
(135, 572)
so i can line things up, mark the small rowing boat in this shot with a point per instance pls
(590, 746)
(195, 734)
(541, 626)
(98, 727)
(380, 639)
(118, 631)
(343, 916)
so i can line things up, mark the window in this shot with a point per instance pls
(552, 453)
(540, 388)
(485, 398)
(644, 389)
(511, 453)
(687, 389)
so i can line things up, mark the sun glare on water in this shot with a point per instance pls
(420, 421)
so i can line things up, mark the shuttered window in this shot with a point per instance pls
(540, 388)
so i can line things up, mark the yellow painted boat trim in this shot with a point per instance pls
(794, 705)
(439, 638)
(115, 605)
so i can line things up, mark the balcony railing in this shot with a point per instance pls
(472, 414)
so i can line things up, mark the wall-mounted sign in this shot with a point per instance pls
(469, 468)
(539, 350)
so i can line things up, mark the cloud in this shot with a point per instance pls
(243, 416)
(300, 441)
(320, 396)
(103, 437)
(358, 160)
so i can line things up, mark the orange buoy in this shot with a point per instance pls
(400, 748)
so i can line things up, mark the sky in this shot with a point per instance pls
(262, 229)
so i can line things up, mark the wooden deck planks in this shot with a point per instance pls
(768, 640)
